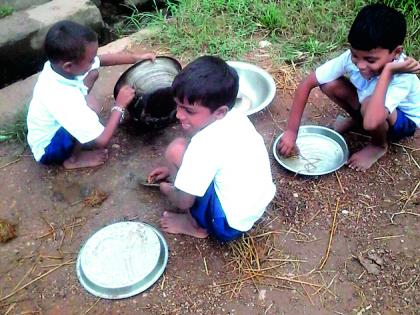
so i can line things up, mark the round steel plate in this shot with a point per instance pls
(256, 87)
(122, 260)
(146, 76)
(321, 151)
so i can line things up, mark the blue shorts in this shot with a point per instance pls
(59, 149)
(403, 127)
(209, 214)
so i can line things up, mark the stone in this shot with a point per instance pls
(22, 33)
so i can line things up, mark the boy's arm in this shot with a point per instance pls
(287, 142)
(177, 197)
(376, 112)
(124, 58)
(124, 98)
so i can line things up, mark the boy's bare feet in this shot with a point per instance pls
(344, 124)
(83, 159)
(181, 223)
(365, 158)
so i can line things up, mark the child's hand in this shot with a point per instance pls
(158, 174)
(147, 56)
(125, 96)
(287, 143)
(409, 65)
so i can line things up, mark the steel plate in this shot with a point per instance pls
(146, 76)
(321, 151)
(122, 260)
(256, 87)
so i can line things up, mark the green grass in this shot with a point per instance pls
(5, 11)
(303, 32)
(16, 130)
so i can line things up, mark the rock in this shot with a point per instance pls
(22, 4)
(22, 34)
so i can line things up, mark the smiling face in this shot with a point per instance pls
(371, 63)
(194, 117)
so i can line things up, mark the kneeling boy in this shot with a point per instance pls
(223, 180)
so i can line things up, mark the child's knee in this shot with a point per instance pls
(341, 88)
(175, 151)
(329, 88)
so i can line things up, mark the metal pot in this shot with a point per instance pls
(153, 106)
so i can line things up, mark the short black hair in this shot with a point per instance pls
(377, 26)
(208, 80)
(66, 41)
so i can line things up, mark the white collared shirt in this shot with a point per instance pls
(60, 102)
(403, 90)
(232, 154)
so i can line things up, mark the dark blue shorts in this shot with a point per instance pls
(209, 214)
(59, 149)
(403, 127)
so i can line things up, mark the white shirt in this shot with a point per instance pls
(231, 153)
(59, 102)
(403, 90)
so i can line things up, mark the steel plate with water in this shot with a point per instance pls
(122, 260)
(321, 151)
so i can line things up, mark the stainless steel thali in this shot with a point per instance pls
(122, 260)
(321, 151)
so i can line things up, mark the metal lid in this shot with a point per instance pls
(321, 151)
(122, 260)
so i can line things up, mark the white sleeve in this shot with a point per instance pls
(333, 69)
(198, 169)
(74, 115)
(397, 91)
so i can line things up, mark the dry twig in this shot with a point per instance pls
(333, 228)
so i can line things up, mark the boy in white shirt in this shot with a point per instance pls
(63, 122)
(372, 81)
(223, 180)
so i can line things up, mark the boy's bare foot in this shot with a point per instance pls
(181, 223)
(85, 159)
(365, 158)
(344, 124)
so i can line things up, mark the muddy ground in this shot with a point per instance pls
(284, 266)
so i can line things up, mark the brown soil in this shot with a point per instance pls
(202, 276)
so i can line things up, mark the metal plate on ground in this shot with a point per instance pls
(256, 87)
(321, 151)
(122, 260)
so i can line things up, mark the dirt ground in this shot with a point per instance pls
(290, 263)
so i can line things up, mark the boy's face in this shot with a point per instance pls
(80, 67)
(194, 117)
(372, 62)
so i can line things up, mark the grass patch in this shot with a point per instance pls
(16, 130)
(6, 11)
(303, 32)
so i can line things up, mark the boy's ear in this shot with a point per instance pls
(67, 66)
(221, 112)
(398, 51)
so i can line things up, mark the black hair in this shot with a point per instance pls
(377, 25)
(66, 41)
(208, 80)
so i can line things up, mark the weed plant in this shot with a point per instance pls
(6, 11)
(302, 32)
(16, 130)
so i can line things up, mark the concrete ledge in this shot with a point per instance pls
(22, 34)
(22, 4)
